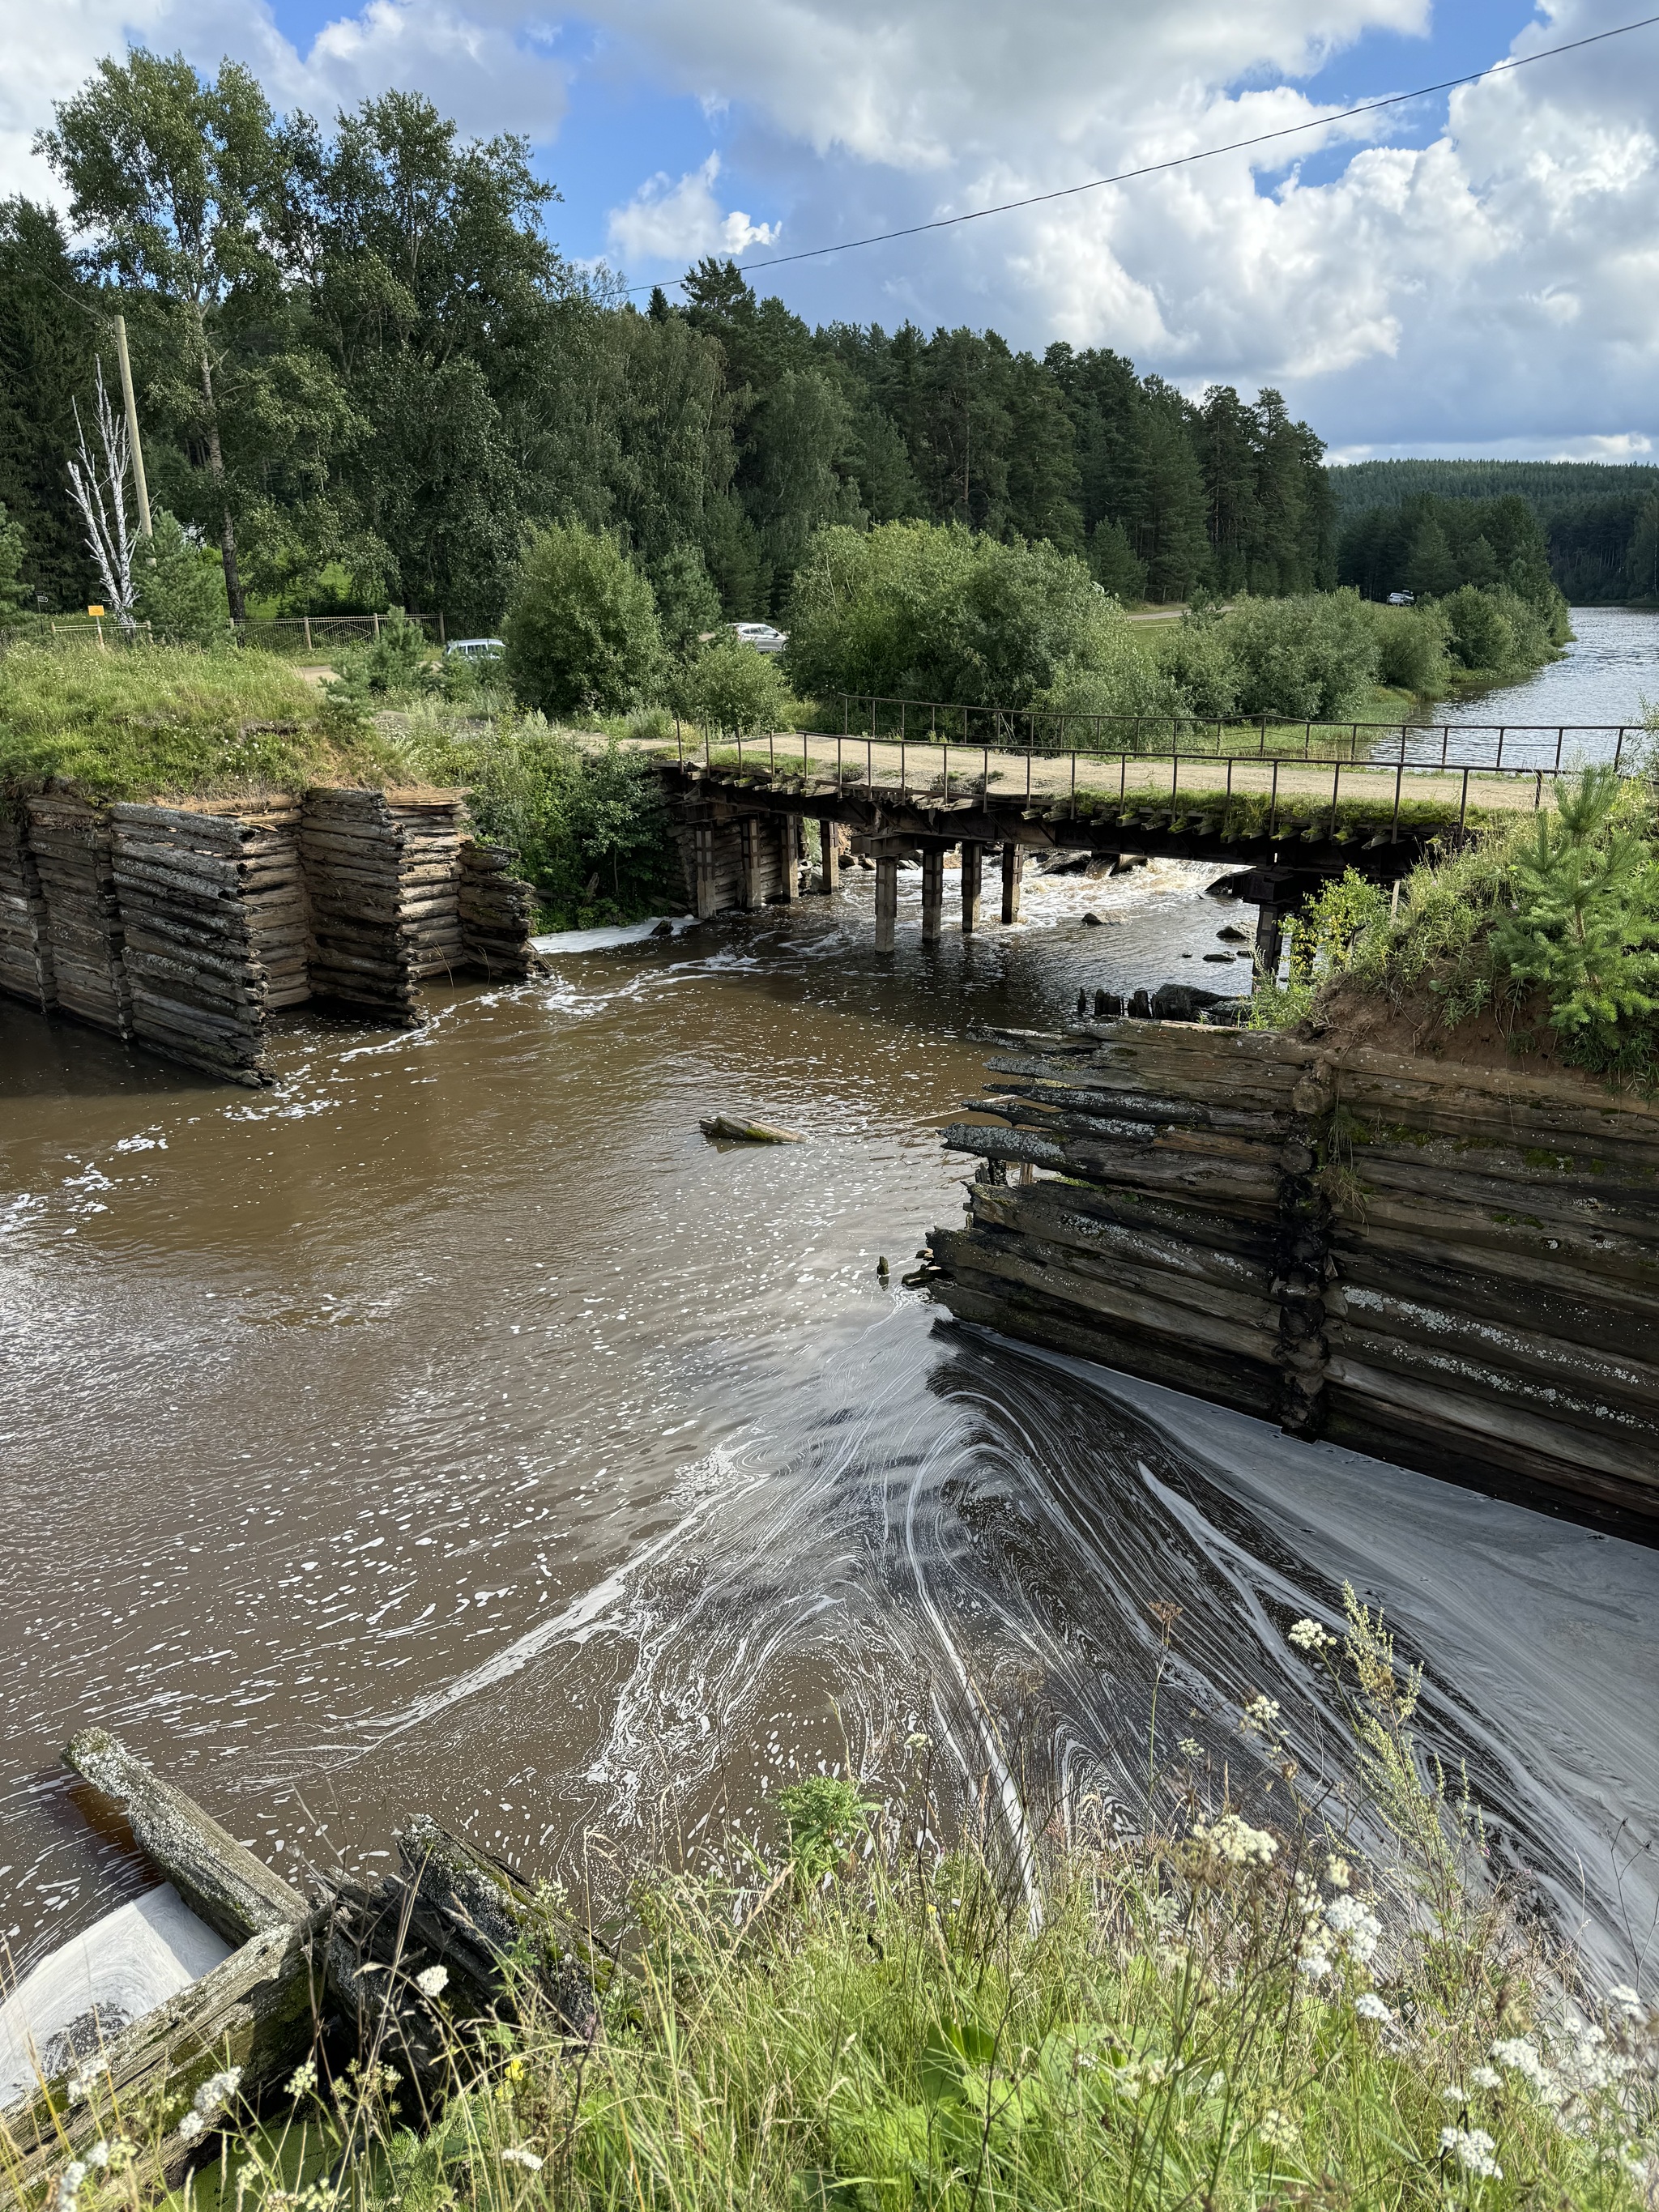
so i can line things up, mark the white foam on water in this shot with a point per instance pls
(606, 940)
(78, 1999)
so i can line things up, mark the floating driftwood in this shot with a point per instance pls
(1452, 1267)
(737, 1132)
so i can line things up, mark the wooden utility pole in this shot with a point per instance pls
(131, 405)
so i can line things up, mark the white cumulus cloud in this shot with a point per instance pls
(677, 223)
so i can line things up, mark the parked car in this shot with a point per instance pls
(476, 649)
(762, 637)
(1402, 599)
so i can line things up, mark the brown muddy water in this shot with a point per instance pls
(454, 1428)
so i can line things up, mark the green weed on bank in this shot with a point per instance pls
(1240, 2011)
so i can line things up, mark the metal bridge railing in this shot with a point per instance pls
(1292, 783)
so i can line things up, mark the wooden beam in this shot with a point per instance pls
(218, 1878)
(788, 848)
(830, 853)
(933, 894)
(972, 855)
(886, 903)
(1013, 870)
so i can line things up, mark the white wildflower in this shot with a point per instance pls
(1521, 2057)
(1310, 1636)
(432, 1981)
(1316, 1965)
(1191, 1747)
(190, 2127)
(303, 2079)
(1485, 2077)
(1625, 1997)
(526, 2159)
(1369, 2006)
(1472, 2148)
(1260, 1713)
(1337, 1872)
(70, 2180)
(1277, 2132)
(1454, 2093)
(216, 2090)
(1355, 1926)
(97, 2154)
(1236, 1841)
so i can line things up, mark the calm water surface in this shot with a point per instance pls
(453, 1428)
(1608, 675)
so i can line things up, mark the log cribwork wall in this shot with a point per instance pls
(183, 928)
(1451, 1268)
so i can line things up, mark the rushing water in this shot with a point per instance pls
(454, 1428)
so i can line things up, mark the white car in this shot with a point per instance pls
(476, 649)
(762, 637)
(1402, 599)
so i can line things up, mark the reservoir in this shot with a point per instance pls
(454, 1428)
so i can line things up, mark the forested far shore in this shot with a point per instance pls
(364, 370)
(1599, 521)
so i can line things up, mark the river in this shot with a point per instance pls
(1605, 683)
(454, 1428)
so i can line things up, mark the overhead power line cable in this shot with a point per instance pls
(1184, 160)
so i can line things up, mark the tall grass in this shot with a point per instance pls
(171, 721)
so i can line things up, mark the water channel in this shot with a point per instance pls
(454, 1428)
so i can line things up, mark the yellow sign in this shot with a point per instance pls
(94, 611)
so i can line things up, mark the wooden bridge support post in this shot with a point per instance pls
(886, 904)
(750, 829)
(971, 857)
(1013, 869)
(830, 853)
(1269, 939)
(702, 848)
(788, 862)
(932, 894)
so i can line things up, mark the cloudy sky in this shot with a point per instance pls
(1476, 272)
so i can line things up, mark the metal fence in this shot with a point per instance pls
(1048, 731)
(288, 634)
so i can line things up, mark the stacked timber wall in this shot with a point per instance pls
(1454, 1268)
(183, 928)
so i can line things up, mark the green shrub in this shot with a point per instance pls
(920, 611)
(588, 822)
(1411, 648)
(581, 629)
(1197, 655)
(1315, 656)
(732, 688)
(179, 585)
(398, 665)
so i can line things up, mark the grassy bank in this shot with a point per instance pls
(174, 723)
(1542, 933)
(1249, 2008)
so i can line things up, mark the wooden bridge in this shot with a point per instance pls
(1292, 820)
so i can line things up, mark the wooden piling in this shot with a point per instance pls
(1269, 939)
(788, 866)
(1013, 869)
(886, 904)
(708, 890)
(753, 891)
(932, 894)
(972, 855)
(830, 853)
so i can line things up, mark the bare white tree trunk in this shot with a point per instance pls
(99, 486)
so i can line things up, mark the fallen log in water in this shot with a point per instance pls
(737, 1131)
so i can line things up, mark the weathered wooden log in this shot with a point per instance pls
(219, 1879)
(735, 1130)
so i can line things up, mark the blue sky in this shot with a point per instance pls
(1472, 273)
